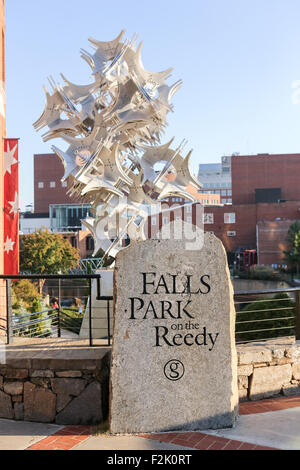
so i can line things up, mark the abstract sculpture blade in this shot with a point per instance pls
(113, 127)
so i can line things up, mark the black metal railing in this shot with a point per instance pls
(267, 314)
(260, 314)
(61, 320)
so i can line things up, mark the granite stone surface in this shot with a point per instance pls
(174, 364)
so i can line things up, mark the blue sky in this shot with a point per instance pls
(238, 60)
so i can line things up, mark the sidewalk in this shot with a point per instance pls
(268, 424)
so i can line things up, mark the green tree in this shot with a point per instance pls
(23, 293)
(292, 255)
(45, 252)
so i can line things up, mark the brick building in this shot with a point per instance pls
(252, 174)
(271, 239)
(48, 187)
(54, 208)
(265, 202)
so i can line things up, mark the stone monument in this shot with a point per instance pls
(173, 363)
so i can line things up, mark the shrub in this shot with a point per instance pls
(269, 310)
(24, 292)
(40, 328)
(261, 273)
(71, 320)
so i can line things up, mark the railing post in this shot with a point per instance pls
(90, 313)
(297, 314)
(9, 328)
(98, 288)
(58, 311)
(108, 322)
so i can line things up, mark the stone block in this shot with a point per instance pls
(296, 370)
(291, 389)
(84, 409)
(13, 362)
(40, 381)
(243, 394)
(41, 373)
(70, 363)
(62, 399)
(254, 356)
(242, 381)
(282, 360)
(39, 404)
(68, 386)
(245, 370)
(19, 411)
(13, 388)
(268, 381)
(69, 373)
(293, 352)
(6, 410)
(16, 373)
(17, 398)
(278, 353)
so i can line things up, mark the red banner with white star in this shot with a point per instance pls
(11, 207)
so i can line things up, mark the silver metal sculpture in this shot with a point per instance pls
(113, 127)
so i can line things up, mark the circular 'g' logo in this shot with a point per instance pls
(174, 369)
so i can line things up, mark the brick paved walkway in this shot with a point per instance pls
(64, 439)
(272, 404)
(70, 436)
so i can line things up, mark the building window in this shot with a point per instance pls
(229, 218)
(73, 242)
(229, 200)
(89, 243)
(223, 201)
(64, 184)
(189, 219)
(229, 192)
(208, 218)
(40, 185)
(231, 233)
(153, 220)
(52, 184)
(223, 192)
(189, 209)
(164, 220)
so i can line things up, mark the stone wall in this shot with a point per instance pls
(55, 390)
(268, 368)
(65, 391)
